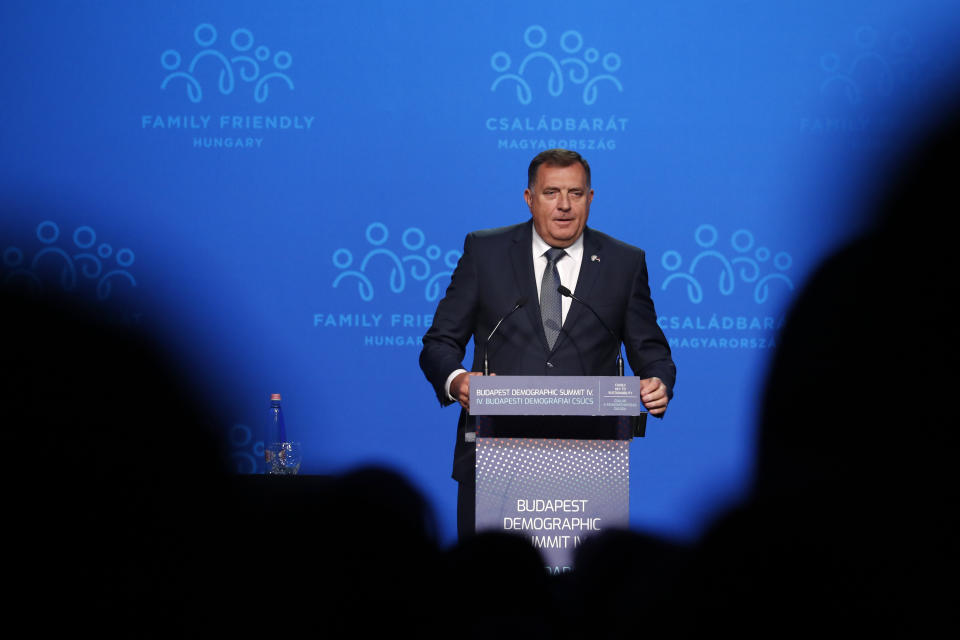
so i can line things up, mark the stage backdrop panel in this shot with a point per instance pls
(281, 190)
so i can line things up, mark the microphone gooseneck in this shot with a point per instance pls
(486, 346)
(569, 294)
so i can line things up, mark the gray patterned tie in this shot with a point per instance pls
(550, 311)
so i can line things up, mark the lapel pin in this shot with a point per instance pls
(594, 258)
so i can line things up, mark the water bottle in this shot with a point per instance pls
(277, 430)
(278, 453)
(282, 456)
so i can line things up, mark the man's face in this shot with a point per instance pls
(559, 203)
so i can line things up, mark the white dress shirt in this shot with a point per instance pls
(568, 266)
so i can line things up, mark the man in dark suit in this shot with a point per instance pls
(550, 334)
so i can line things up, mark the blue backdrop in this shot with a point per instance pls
(281, 190)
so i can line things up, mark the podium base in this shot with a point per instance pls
(555, 492)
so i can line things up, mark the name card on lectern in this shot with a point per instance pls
(555, 396)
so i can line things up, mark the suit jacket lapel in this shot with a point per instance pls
(587, 278)
(521, 257)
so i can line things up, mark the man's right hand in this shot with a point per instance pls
(460, 388)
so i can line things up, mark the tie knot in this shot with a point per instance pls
(553, 254)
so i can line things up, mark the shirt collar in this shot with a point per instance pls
(575, 251)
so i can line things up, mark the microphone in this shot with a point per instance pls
(566, 292)
(519, 303)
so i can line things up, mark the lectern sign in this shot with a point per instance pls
(555, 396)
(556, 490)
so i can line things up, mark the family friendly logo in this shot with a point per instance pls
(86, 267)
(563, 75)
(236, 71)
(741, 276)
(861, 74)
(745, 265)
(422, 267)
(410, 277)
(579, 63)
(238, 63)
(246, 451)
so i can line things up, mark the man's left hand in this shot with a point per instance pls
(653, 393)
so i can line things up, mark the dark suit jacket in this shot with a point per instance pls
(496, 270)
